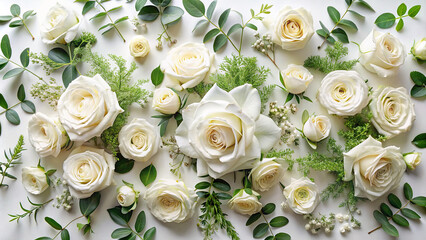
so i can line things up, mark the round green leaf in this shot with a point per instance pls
(410, 213)
(260, 230)
(402, 9)
(139, 4)
(123, 165)
(59, 55)
(53, 223)
(149, 234)
(3, 102)
(385, 209)
(414, 10)
(171, 15)
(118, 217)
(195, 8)
(279, 221)
(202, 185)
(13, 117)
(140, 222)
(15, 10)
(386, 20)
(282, 236)
(148, 175)
(394, 201)
(268, 208)
(149, 13)
(408, 191)
(400, 220)
(418, 78)
(89, 205)
(121, 233)
(5, 46)
(21, 93)
(65, 235)
(211, 34)
(419, 201)
(12, 73)
(28, 106)
(219, 42)
(390, 229)
(221, 185)
(157, 76)
(253, 218)
(400, 25)
(224, 17)
(420, 140)
(70, 73)
(341, 35)
(348, 23)
(418, 91)
(333, 13)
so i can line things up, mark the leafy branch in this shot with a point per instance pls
(11, 160)
(127, 232)
(27, 212)
(387, 20)
(15, 10)
(262, 229)
(419, 88)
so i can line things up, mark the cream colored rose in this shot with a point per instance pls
(382, 53)
(34, 180)
(393, 111)
(296, 78)
(138, 140)
(60, 25)
(344, 93)
(46, 135)
(139, 46)
(171, 201)
(187, 65)
(375, 170)
(266, 174)
(126, 196)
(302, 195)
(413, 159)
(165, 101)
(88, 170)
(87, 108)
(245, 203)
(225, 131)
(419, 49)
(291, 28)
(317, 128)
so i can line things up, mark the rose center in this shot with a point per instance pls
(139, 140)
(302, 195)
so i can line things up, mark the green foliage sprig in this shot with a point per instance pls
(419, 89)
(127, 232)
(148, 175)
(339, 20)
(385, 214)
(387, 20)
(179, 159)
(262, 229)
(27, 212)
(15, 10)
(12, 159)
(420, 140)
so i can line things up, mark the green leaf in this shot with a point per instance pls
(268, 208)
(408, 191)
(324, 27)
(365, 5)
(171, 15)
(414, 10)
(400, 25)
(121, 233)
(394, 201)
(70, 73)
(65, 235)
(400, 220)
(21, 93)
(28, 107)
(210, 9)
(13, 117)
(140, 222)
(89, 205)
(349, 2)
(3, 102)
(3, 63)
(25, 57)
(157, 76)
(123, 165)
(234, 28)
(386, 20)
(390, 229)
(305, 116)
(163, 127)
(199, 24)
(357, 14)
(12, 73)
(333, 13)
(253, 218)
(219, 42)
(161, 3)
(260, 230)
(5, 46)
(195, 8)
(418, 78)
(139, 4)
(289, 97)
(348, 23)
(53, 223)
(279, 221)
(224, 17)
(410, 213)
(16, 23)
(88, 6)
(59, 55)
(5, 18)
(221, 185)
(211, 34)
(114, 9)
(341, 35)
(149, 234)
(101, 14)
(385, 209)
(282, 236)
(122, 19)
(380, 217)
(223, 196)
(402, 9)
(118, 217)
(252, 26)
(202, 185)
(420, 140)
(148, 175)
(419, 201)
(43, 238)
(15, 10)
(28, 14)
(202, 194)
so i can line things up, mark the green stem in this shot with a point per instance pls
(389, 218)
(269, 226)
(112, 22)
(75, 219)
(134, 231)
(25, 69)
(25, 25)
(1, 113)
(226, 35)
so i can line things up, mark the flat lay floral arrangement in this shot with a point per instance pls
(216, 118)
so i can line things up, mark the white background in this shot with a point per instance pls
(111, 43)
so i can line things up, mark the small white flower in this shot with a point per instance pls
(166, 101)
(139, 46)
(245, 203)
(34, 180)
(308, 226)
(413, 159)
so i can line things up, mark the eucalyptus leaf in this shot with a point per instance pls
(5, 46)
(333, 13)
(341, 35)
(418, 78)
(221, 185)
(219, 42)
(149, 234)
(171, 15)
(157, 76)
(194, 8)
(89, 205)
(3, 63)
(16, 23)
(253, 218)
(88, 6)
(260, 230)
(122, 19)
(210, 9)
(386, 20)
(21, 93)
(25, 57)
(418, 91)
(101, 14)
(6, 18)
(223, 196)
(70, 73)
(234, 28)
(224, 17)
(414, 10)
(28, 107)
(59, 55)
(3, 102)
(348, 23)
(53, 223)
(420, 140)
(364, 4)
(140, 222)
(114, 9)
(357, 14)
(121, 233)
(12, 73)
(15, 10)
(252, 26)
(268, 208)
(139, 4)
(211, 34)
(199, 24)
(148, 175)
(28, 14)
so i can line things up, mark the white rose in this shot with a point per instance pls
(139, 46)
(88, 170)
(126, 196)
(413, 159)
(187, 65)
(393, 111)
(291, 28)
(165, 101)
(87, 108)
(266, 174)
(245, 203)
(46, 135)
(34, 180)
(382, 53)
(138, 140)
(419, 49)
(225, 131)
(374, 169)
(343, 93)
(296, 78)
(60, 25)
(302, 195)
(317, 128)
(171, 201)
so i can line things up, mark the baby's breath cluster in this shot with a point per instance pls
(178, 158)
(63, 199)
(315, 224)
(280, 114)
(348, 222)
(263, 43)
(49, 92)
(137, 25)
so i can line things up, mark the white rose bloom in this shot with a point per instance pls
(302, 195)
(296, 78)
(266, 174)
(87, 108)
(317, 128)
(419, 49)
(413, 159)
(34, 180)
(165, 101)
(126, 196)
(225, 131)
(46, 135)
(393, 111)
(382, 53)
(291, 28)
(187, 65)
(344, 93)
(138, 140)
(374, 169)
(245, 203)
(171, 201)
(88, 170)
(60, 25)
(139, 46)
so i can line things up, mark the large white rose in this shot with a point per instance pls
(225, 131)
(87, 108)
(60, 25)
(34, 180)
(165, 101)
(296, 78)
(139, 46)
(187, 65)
(419, 49)
(393, 111)
(343, 93)
(245, 203)
(46, 135)
(317, 128)
(266, 174)
(171, 201)
(291, 28)
(382, 53)
(138, 140)
(374, 169)
(88, 170)
(302, 195)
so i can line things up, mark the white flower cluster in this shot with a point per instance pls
(280, 115)
(315, 224)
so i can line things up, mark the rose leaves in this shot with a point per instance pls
(387, 20)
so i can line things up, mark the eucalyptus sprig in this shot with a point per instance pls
(419, 89)
(385, 214)
(262, 229)
(387, 20)
(12, 159)
(15, 10)
(27, 212)
(127, 232)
